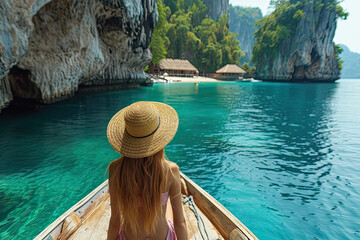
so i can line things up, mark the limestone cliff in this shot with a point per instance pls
(308, 53)
(217, 8)
(50, 47)
(242, 20)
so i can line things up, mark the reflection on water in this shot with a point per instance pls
(296, 120)
(282, 157)
(267, 151)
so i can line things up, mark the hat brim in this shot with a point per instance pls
(133, 147)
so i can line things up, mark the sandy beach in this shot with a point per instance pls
(190, 79)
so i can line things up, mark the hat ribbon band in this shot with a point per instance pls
(148, 134)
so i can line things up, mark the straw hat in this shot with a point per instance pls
(142, 129)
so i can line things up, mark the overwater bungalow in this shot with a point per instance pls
(230, 72)
(174, 67)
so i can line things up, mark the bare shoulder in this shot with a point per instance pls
(174, 170)
(174, 167)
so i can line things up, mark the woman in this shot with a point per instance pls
(142, 181)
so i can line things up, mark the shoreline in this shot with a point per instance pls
(195, 79)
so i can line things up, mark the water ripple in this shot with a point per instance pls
(282, 157)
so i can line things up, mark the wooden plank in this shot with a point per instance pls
(193, 229)
(54, 229)
(70, 225)
(96, 225)
(223, 219)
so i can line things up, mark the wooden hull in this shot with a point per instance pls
(89, 218)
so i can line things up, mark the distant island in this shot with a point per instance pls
(351, 65)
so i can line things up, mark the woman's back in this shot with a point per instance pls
(169, 191)
(142, 177)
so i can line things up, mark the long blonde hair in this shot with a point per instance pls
(139, 182)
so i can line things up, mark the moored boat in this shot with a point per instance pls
(244, 79)
(205, 217)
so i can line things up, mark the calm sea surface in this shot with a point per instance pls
(284, 158)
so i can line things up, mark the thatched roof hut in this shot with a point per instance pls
(176, 65)
(231, 68)
(229, 72)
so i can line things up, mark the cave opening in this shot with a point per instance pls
(113, 24)
(25, 92)
(314, 56)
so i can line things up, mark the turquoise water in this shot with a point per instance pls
(284, 158)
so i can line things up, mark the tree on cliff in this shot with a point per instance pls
(275, 28)
(278, 33)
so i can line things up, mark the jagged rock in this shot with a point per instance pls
(5, 92)
(308, 55)
(217, 8)
(242, 20)
(49, 48)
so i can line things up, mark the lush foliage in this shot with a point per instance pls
(282, 24)
(247, 15)
(340, 12)
(184, 31)
(275, 28)
(158, 38)
(250, 71)
(338, 51)
(242, 21)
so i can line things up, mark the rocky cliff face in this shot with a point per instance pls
(309, 54)
(217, 8)
(50, 47)
(242, 21)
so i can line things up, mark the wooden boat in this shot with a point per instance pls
(89, 218)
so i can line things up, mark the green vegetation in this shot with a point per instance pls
(242, 21)
(246, 15)
(276, 28)
(158, 38)
(184, 31)
(338, 51)
(282, 24)
(340, 12)
(250, 71)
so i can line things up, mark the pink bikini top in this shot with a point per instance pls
(164, 198)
